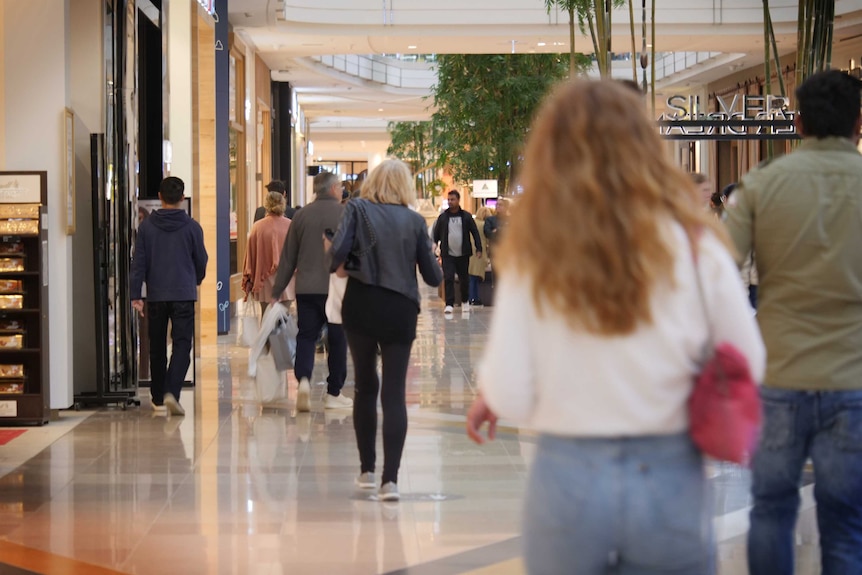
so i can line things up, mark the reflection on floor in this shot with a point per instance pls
(238, 488)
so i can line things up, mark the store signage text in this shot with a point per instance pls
(742, 116)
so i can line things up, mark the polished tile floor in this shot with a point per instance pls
(240, 488)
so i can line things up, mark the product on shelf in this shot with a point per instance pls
(11, 286)
(11, 211)
(11, 370)
(11, 387)
(11, 264)
(11, 325)
(11, 302)
(11, 341)
(11, 247)
(23, 227)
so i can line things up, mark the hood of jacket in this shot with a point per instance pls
(170, 220)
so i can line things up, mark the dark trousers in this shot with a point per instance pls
(311, 316)
(164, 377)
(396, 359)
(452, 266)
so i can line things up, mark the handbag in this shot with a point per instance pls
(249, 322)
(724, 407)
(363, 241)
(269, 381)
(335, 297)
(282, 343)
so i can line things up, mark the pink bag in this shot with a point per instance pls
(724, 408)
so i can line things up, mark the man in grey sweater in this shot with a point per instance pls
(304, 256)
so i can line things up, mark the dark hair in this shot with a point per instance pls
(829, 104)
(454, 193)
(171, 190)
(276, 186)
(718, 198)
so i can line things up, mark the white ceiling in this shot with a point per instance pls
(348, 116)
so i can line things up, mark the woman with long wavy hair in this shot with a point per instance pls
(599, 329)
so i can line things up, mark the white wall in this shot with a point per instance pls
(87, 83)
(179, 59)
(36, 88)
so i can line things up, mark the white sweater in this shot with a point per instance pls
(539, 372)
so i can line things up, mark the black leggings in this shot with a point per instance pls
(396, 359)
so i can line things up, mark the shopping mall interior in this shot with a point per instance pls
(103, 98)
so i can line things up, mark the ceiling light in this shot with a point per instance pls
(379, 109)
(541, 44)
(411, 47)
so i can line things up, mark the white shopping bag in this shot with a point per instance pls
(275, 317)
(337, 287)
(269, 382)
(247, 312)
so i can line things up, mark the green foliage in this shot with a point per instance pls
(594, 15)
(485, 104)
(412, 143)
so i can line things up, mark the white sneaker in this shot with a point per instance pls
(303, 402)
(339, 401)
(465, 306)
(389, 492)
(366, 480)
(159, 409)
(173, 405)
(448, 309)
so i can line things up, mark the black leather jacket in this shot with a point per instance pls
(382, 245)
(441, 233)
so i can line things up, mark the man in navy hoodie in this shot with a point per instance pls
(171, 258)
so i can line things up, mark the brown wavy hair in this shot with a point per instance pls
(592, 228)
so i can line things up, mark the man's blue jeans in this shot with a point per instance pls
(827, 427)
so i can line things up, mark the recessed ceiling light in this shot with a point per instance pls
(411, 47)
(379, 109)
(541, 44)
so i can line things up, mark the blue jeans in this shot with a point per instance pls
(625, 506)
(474, 288)
(827, 427)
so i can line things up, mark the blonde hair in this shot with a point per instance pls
(484, 213)
(273, 203)
(390, 183)
(596, 178)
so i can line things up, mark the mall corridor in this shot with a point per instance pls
(236, 489)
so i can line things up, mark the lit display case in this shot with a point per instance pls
(24, 389)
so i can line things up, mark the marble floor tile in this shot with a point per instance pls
(236, 487)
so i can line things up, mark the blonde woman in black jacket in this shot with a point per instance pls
(379, 245)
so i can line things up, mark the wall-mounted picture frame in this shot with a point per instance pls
(69, 169)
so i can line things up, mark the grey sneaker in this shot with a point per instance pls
(302, 396)
(389, 492)
(173, 406)
(366, 480)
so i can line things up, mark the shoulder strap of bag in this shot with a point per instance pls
(369, 229)
(710, 341)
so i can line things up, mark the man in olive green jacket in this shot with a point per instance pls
(802, 214)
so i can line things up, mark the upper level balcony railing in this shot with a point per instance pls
(416, 72)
